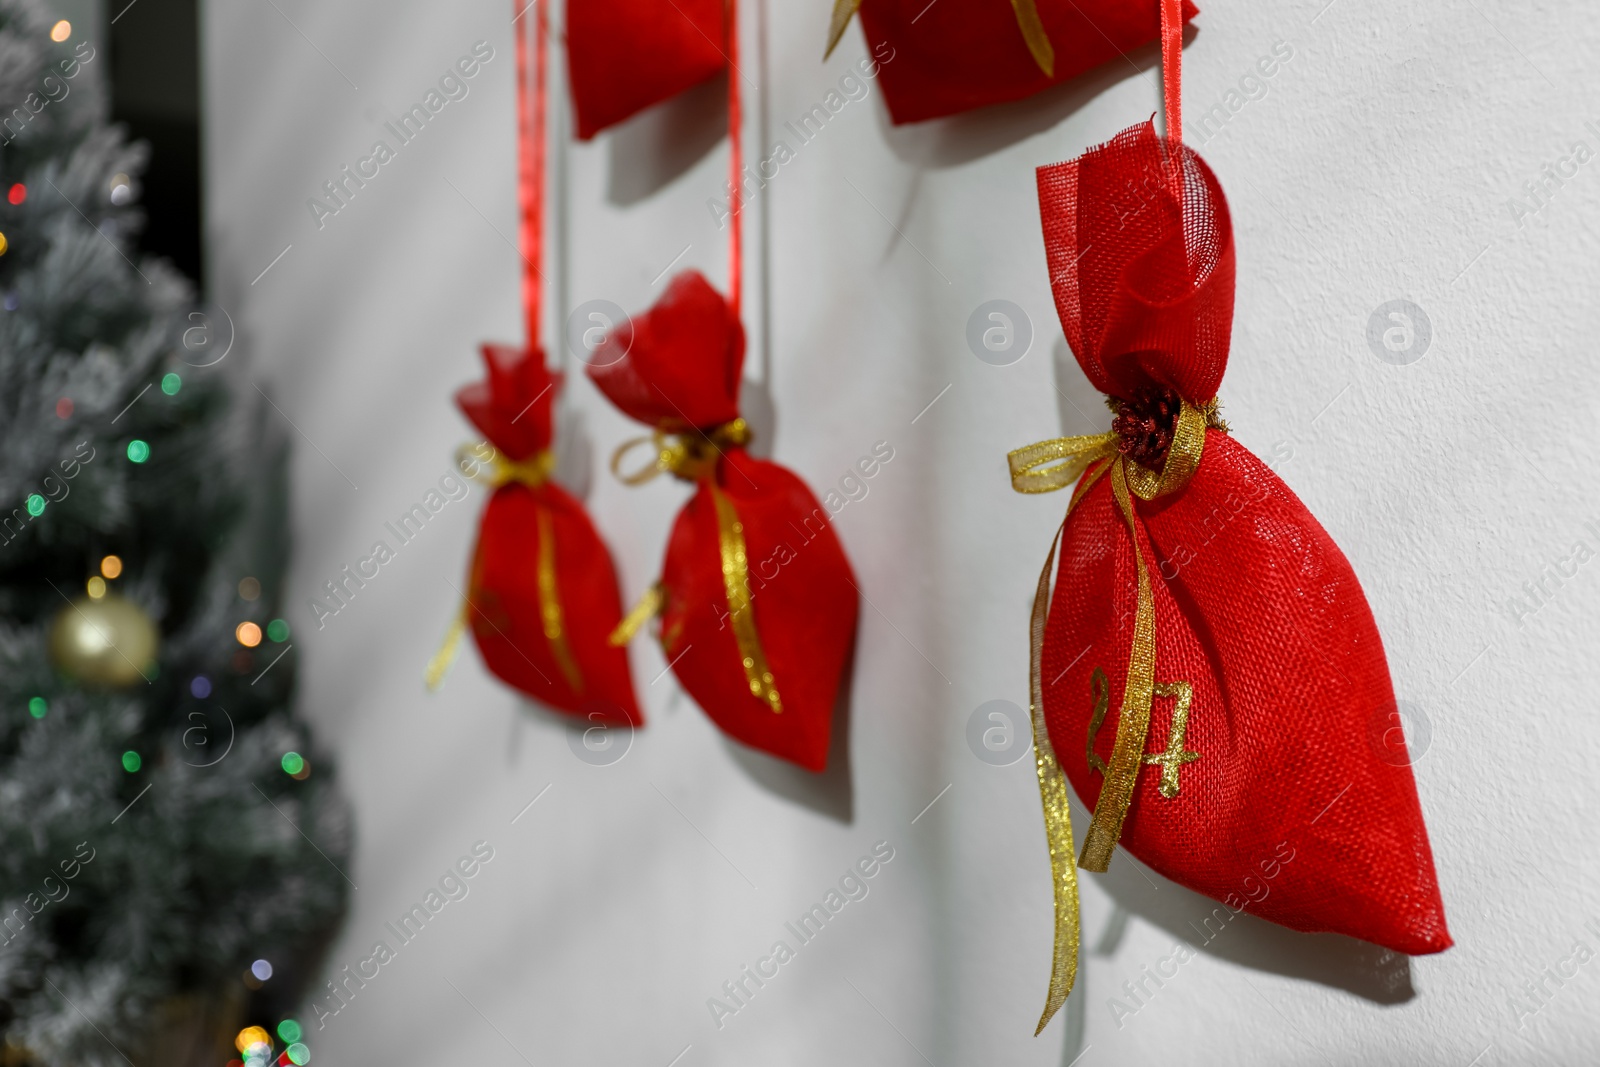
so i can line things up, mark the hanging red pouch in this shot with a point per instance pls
(941, 59)
(757, 600)
(1207, 668)
(625, 55)
(542, 595)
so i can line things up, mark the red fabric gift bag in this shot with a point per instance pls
(757, 600)
(542, 596)
(1207, 672)
(625, 55)
(943, 58)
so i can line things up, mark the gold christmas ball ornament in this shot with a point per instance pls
(105, 640)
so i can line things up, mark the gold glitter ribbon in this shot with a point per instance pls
(1032, 29)
(647, 608)
(692, 455)
(1043, 468)
(439, 663)
(687, 454)
(1057, 809)
(736, 580)
(550, 600)
(532, 472)
(1028, 21)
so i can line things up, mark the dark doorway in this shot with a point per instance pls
(155, 92)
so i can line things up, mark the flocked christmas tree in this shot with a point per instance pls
(161, 825)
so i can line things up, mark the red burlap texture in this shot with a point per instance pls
(512, 408)
(624, 55)
(941, 59)
(681, 371)
(1255, 606)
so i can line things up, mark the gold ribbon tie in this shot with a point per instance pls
(687, 454)
(736, 582)
(1044, 468)
(649, 605)
(532, 472)
(691, 455)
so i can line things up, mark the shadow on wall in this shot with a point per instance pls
(575, 448)
(656, 146)
(1080, 405)
(959, 139)
(831, 793)
(761, 414)
(1371, 972)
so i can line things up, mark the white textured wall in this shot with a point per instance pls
(1378, 166)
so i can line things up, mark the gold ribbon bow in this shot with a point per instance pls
(692, 456)
(532, 472)
(687, 454)
(1027, 12)
(1043, 468)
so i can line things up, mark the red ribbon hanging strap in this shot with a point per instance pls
(735, 165)
(1172, 65)
(530, 164)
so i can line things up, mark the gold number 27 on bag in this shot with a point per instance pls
(1172, 759)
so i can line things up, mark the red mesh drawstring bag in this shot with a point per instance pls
(757, 602)
(942, 58)
(625, 55)
(542, 595)
(1206, 672)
